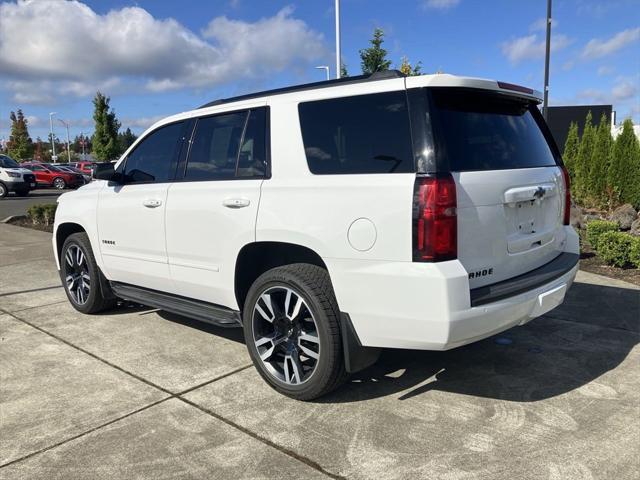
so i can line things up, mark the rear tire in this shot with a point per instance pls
(292, 331)
(81, 277)
(59, 183)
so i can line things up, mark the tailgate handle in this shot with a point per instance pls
(524, 194)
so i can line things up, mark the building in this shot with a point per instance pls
(560, 118)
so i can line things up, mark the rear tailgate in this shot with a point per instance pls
(510, 189)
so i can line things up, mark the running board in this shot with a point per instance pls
(196, 309)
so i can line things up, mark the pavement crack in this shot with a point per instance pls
(290, 453)
(30, 291)
(87, 432)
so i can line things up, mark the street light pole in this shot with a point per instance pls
(66, 124)
(545, 103)
(325, 68)
(53, 144)
(338, 60)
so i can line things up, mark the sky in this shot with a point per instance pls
(154, 58)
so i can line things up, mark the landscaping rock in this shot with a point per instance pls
(577, 217)
(635, 227)
(624, 216)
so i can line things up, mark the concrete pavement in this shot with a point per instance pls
(137, 393)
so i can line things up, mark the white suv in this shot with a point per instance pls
(14, 178)
(331, 220)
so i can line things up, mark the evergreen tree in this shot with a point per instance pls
(624, 170)
(105, 135)
(126, 139)
(374, 58)
(570, 153)
(408, 70)
(583, 160)
(20, 145)
(343, 70)
(599, 164)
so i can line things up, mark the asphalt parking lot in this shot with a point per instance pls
(14, 205)
(138, 393)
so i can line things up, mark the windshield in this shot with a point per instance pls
(8, 162)
(484, 131)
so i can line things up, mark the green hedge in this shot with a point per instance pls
(596, 228)
(42, 214)
(615, 248)
(634, 254)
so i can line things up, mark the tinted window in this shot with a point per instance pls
(214, 151)
(252, 160)
(484, 131)
(8, 162)
(362, 134)
(153, 160)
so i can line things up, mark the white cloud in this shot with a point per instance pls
(540, 25)
(441, 4)
(531, 47)
(129, 49)
(597, 47)
(624, 90)
(605, 70)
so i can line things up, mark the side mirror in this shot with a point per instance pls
(106, 171)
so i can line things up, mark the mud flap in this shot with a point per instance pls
(356, 357)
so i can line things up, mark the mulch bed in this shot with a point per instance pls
(25, 222)
(590, 262)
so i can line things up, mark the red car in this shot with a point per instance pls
(86, 167)
(50, 176)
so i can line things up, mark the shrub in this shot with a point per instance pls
(615, 248)
(34, 212)
(596, 228)
(634, 253)
(42, 213)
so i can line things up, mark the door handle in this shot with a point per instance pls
(152, 203)
(236, 202)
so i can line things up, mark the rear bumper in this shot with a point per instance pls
(429, 306)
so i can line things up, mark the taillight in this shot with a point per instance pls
(435, 222)
(566, 219)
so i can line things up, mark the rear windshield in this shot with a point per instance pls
(486, 131)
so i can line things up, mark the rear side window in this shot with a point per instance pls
(361, 134)
(154, 158)
(227, 146)
(484, 131)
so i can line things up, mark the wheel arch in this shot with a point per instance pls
(257, 257)
(63, 231)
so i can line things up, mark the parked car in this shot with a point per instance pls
(67, 168)
(50, 176)
(331, 220)
(85, 167)
(15, 178)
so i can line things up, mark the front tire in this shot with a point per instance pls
(81, 276)
(3, 190)
(59, 183)
(292, 331)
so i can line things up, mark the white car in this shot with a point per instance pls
(331, 220)
(14, 178)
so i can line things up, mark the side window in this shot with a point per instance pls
(214, 150)
(361, 134)
(154, 159)
(252, 160)
(36, 168)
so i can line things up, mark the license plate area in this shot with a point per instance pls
(530, 224)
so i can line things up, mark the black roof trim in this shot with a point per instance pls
(310, 86)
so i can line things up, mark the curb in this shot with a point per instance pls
(13, 217)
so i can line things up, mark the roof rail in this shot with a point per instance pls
(386, 74)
